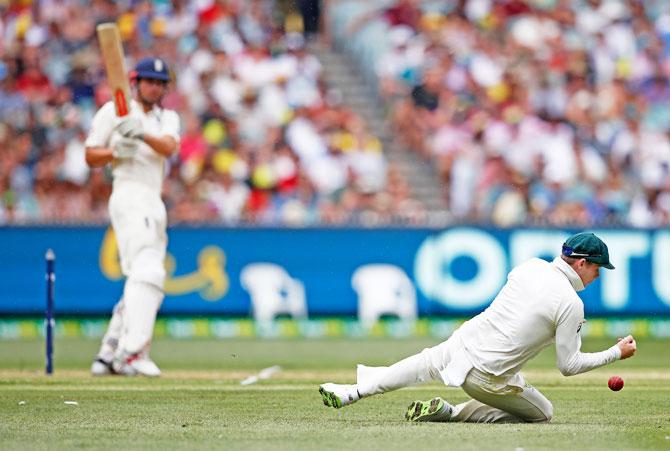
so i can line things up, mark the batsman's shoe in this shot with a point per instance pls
(338, 395)
(437, 409)
(101, 367)
(135, 364)
(146, 367)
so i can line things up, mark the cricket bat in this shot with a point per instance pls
(115, 66)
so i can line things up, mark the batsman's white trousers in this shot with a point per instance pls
(495, 398)
(139, 219)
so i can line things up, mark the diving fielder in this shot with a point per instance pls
(138, 147)
(537, 306)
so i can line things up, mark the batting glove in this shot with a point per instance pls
(125, 148)
(130, 127)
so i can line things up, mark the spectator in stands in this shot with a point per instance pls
(401, 13)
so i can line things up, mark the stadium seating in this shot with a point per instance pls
(532, 113)
(263, 142)
(537, 113)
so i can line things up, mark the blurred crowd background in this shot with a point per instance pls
(264, 140)
(548, 112)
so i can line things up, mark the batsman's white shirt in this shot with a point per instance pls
(135, 207)
(537, 306)
(147, 166)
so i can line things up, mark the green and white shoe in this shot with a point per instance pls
(338, 395)
(437, 409)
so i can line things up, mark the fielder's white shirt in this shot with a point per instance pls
(147, 166)
(537, 306)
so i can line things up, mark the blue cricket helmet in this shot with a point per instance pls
(153, 68)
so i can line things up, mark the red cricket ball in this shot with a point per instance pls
(615, 383)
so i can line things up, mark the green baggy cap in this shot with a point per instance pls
(587, 245)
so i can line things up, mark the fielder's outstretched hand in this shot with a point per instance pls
(130, 127)
(627, 346)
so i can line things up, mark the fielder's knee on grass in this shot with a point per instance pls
(545, 413)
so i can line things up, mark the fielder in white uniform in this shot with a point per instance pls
(138, 147)
(537, 306)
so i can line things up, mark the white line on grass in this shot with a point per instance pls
(235, 387)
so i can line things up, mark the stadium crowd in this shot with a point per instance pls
(264, 140)
(548, 112)
(535, 112)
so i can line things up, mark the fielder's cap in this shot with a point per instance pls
(153, 68)
(587, 245)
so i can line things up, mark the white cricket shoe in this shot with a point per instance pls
(146, 367)
(136, 364)
(101, 367)
(338, 395)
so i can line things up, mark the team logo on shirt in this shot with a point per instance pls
(580, 325)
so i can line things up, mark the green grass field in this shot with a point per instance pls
(200, 404)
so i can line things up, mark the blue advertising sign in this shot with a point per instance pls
(320, 272)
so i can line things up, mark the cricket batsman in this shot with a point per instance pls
(537, 306)
(138, 147)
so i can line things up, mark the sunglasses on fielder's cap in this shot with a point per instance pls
(570, 252)
(588, 246)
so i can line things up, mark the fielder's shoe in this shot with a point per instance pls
(338, 395)
(135, 364)
(437, 409)
(101, 367)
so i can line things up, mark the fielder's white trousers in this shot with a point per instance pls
(495, 399)
(498, 402)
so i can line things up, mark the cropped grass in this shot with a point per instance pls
(199, 403)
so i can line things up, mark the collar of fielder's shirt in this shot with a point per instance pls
(570, 273)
